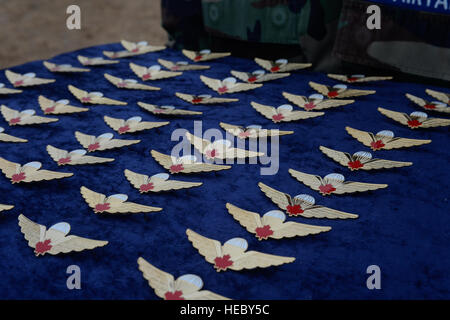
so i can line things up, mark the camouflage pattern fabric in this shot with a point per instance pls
(331, 34)
(409, 41)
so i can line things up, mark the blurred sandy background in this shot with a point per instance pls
(36, 29)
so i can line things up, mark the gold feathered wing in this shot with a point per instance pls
(162, 282)
(92, 197)
(340, 157)
(190, 97)
(423, 103)
(249, 220)
(85, 140)
(301, 115)
(8, 138)
(57, 154)
(40, 175)
(215, 84)
(80, 94)
(343, 158)
(211, 56)
(351, 187)
(8, 167)
(267, 64)
(9, 114)
(159, 280)
(209, 248)
(151, 108)
(325, 104)
(9, 91)
(252, 220)
(266, 77)
(403, 119)
(316, 211)
(116, 124)
(32, 233)
(13, 77)
(137, 180)
(367, 138)
(169, 65)
(46, 103)
(397, 116)
(166, 162)
(254, 259)
(140, 71)
(226, 153)
(129, 46)
(311, 180)
(85, 61)
(435, 122)
(324, 90)
(32, 174)
(441, 96)
(135, 86)
(4, 207)
(384, 164)
(235, 130)
(266, 111)
(50, 66)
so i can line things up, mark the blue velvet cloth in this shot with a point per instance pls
(404, 229)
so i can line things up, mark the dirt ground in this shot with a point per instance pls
(36, 29)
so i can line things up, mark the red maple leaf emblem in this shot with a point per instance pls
(177, 295)
(252, 79)
(175, 168)
(309, 106)
(49, 110)
(86, 99)
(146, 187)
(430, 106)
(211, 153)
(146, 76)
(222, 89)
(414, 123)
(124, 129)
(121, 84)
(352, 79)
(377, 145)
(64, 161)
(18, 83)
(263, 233)
(13, 121)
(355, 165)
(222, 263)
(275, 69)
(42, 247)
(18, 177)
(277, 117)
(244, 134)
(332, 94)
(326, 189)
(294, 210)
(101, 207)
(93, 147)
(197, 100)
(198, 58)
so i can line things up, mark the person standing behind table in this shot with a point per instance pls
(414, 38)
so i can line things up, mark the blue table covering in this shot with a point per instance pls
(404, 229)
